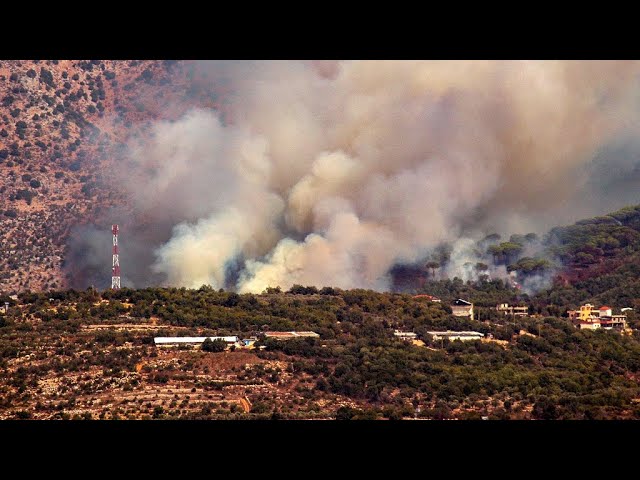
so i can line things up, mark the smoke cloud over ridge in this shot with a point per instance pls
(332, 172)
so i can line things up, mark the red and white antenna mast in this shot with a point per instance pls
(115, 271)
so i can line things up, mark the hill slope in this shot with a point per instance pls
(63, 127)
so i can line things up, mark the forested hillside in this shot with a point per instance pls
(70, 354)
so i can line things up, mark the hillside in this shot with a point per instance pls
(69, 354)
(63, 129)
(595, 260)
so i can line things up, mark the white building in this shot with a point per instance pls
(516, 311)
(290, 335)
(190, 340)
(405, 335)
(462, 308)
(462, 336)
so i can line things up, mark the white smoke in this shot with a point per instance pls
(333, 172)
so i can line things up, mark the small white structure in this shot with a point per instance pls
(462, 336)
(405, 335)
(462, 308)
(190, 340)
(516, 311)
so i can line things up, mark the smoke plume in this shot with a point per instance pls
(333, 172)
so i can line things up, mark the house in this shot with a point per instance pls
(172, 341)
(431, 298)
(584, 313)
(462, 308)
(588, 318)
(614, 322)
(604, 311)
(406, 336)
(515, 311)
(290, 335)
(451, 335)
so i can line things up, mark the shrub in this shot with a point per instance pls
(47, 77)
(213, 345)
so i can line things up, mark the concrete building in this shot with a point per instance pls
(604, 311)
(462, 336)
(462, 308)
(614, 322)
(172, 341)
(588, 318)
(516, 311)
(290, 335)
(406, 336)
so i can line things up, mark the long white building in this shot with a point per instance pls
(462, 336)
(190, 340)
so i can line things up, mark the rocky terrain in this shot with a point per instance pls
(63, 130)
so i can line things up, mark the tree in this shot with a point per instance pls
(517, 238)
(492, 238)
(346, 413)
(545, 409)
(496, 252)
(481, 267)
(510, 250)
(216, 345)
(432, 266)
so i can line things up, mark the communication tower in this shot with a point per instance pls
(115, 271)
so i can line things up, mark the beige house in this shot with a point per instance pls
(462, 308)
(588, 318)
(516, 311)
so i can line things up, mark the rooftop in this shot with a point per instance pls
(459, 302)
(162, 340)
(290, 334)
(450, 333)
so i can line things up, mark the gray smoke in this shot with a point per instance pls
(332, 172)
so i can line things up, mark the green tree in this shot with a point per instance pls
(216, 345)
(511, 250)
(433, 266)
(481, 267)
(347, 413)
